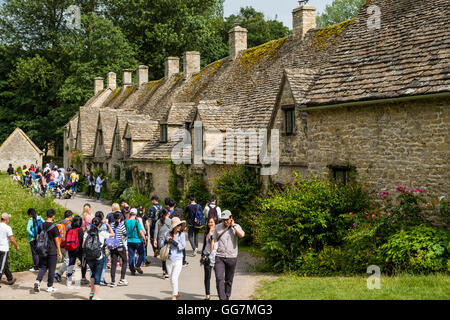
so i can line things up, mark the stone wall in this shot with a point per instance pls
(160, 176)
(19, 152)
(404, 143)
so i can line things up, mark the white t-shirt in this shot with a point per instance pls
(5, 233)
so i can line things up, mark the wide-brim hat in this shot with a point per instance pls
(176, 222)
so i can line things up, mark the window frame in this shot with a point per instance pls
(289, 110)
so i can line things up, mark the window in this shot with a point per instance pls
(289, 121)
(163, 133)
(100, 137)
(117, 142)
(128, 142)
(341, 174)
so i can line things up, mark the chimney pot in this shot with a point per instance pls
(112, 80)
(172, 66)
(191, 63)
(304, 19)
(237, 41)
(98, 85)
(127, 77)
(142, 75)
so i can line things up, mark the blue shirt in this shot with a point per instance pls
(175, 253)
(133, 231)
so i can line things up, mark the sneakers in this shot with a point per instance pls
(139, 270)
(91, 296)
(11, 282)
(33, 270)
(195, 252)
(113, 285)
(37, 286)
(85, 281)
(58, 277)
(185, 264)
(165, 276)
(52, 289)
(103, 283)
(123, 282)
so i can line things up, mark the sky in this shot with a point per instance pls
(272, 8)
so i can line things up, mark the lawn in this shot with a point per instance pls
(403, 287)
(16, 201)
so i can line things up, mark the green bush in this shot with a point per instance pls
(420, 249)
(197, 186)
(305, 217)
(134, 198)
(117, 189)
(16, 201)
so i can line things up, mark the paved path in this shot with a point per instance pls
(149, 286)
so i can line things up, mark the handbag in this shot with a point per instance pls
(164, 252)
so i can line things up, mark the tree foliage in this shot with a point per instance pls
(339, 11)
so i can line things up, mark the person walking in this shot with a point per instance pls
(74, 241)
(98, 186)
(177, 240)
(6, 235)
(144, 219)
(135, 242)
(63, 227)
(193, 226)
(110, 216)
(93, 243)
(154, 213)
(162, 226)
(103, 227)
(120, 252)
(212, 210)
(226, 235)
(177, 212)
(34, 222)
(91, 184)
(10, 170)
(75, 178)
(207, 258)
(87, 217)
(125, 209)
(48, 247)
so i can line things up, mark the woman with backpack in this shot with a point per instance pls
(206, 260)
(117, 249)
(32, 229)
(103, 227)
(176, 239)
(74, 240)
(161, 228)
(93, 243)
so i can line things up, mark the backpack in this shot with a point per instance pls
(199, 219)
(43, 243)
(38, 223)
(113, 243)
(93, 247)
(72, 241)
(62, 228)
(212, 213)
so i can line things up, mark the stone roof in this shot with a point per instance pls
(217, 117)
(300, 81)
(409, 55)
(155, 151)
(180, 113)
(19, 131)
(142, 130)
(88, 119)
(107, 119)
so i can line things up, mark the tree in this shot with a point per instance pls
(339, 11)
(259, 29)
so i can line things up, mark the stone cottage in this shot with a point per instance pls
(19, 150)
(366, 99)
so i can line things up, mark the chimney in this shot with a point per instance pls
(112, 81)
(127, 77)
(172, 66)
(142, 75)
(304, 19)
(191, 63)
(237, 41)
(98, 85)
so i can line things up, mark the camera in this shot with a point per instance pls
(173, 242)
(205, 260)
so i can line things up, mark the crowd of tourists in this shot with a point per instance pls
(121, 239)
(61, 183)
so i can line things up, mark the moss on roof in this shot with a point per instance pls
(254, 56)
(211, 68)
(324, 36)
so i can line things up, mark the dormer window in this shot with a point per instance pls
(117, 142)
(163, 137)
(128, 145)
(100, 137)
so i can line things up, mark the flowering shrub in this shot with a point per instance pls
(76, 156)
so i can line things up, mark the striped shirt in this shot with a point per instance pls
(121, 234)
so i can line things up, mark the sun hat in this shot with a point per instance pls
(176, 222)
(225, 215)
(6, 216)
(133, 211)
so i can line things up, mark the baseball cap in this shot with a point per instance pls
(6, 216)
(133, 211)
(225, 215)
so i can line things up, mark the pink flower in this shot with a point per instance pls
(373, 216)
(420, 190)
(406, 191)
(351, 214)
(415, 190)
(399, 187)
(389, 214)
(354, 224)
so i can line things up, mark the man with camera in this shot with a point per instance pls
(226, 235)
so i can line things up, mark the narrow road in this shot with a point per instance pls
(149, 286)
